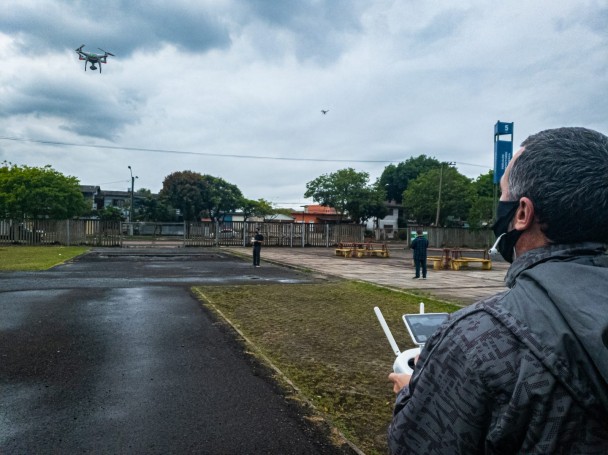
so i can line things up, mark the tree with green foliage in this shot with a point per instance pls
(369, 203)
(197, 195)
(348, 192)
(110, 214)
(184, 191)
(482, 208)
(153, 207)
(219, 197)
(261, 208)
(396, 178)
(39, 192)
(457, 194)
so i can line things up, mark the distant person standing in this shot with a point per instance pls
(419, 246)
(257, 247)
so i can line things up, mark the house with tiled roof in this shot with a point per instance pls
(318, 214)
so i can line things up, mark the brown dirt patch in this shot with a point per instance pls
(326, 340)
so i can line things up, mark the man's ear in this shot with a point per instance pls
(524, 216)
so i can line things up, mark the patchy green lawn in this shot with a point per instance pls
(326, 339)
(26, 258)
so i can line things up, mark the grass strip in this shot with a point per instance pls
(326, 340)
(29, 258)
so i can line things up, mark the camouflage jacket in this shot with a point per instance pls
(522, 372)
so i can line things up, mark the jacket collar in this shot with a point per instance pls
(551, 252)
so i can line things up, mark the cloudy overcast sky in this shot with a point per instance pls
(204, 85)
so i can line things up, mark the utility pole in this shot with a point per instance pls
(439, 197)
(131, 211)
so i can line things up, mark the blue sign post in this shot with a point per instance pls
(503, 149)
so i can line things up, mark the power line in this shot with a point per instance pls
(116, 181)
(471, 164)
(181, 152)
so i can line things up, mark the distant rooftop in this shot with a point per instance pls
(320, 209)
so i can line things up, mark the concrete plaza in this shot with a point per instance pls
(466, 285)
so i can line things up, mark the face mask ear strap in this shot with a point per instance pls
(494, 251)
(504, 215)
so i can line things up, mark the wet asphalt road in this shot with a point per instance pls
(112, 354)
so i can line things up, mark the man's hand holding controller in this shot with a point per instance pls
(403, 369)
(405, 361)
(420, 327)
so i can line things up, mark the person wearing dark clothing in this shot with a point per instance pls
(257, 247)
(526, 371)
(419, 246)
(541, 392)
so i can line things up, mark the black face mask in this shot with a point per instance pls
(506, 239)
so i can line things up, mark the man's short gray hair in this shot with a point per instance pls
(564, 172)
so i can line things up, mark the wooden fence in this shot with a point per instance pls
(238, 233)
(61, 232)
(117, 234)
(207, 234)
(440, 237)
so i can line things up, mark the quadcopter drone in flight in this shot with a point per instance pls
(93, 57)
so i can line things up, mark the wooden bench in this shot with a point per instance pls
(376, 249)
(486, 264)
(437, 261)
(346, 252)
(359, 252)
(383, 253)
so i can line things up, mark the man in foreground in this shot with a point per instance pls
(526, 371)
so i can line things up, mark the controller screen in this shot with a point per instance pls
(422, 326)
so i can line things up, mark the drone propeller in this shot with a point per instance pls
(108, 53)
(80, 48)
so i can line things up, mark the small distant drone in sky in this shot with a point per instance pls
(93, 57)
(324, 111)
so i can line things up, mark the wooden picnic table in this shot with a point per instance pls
(361, 249)
(456, 258)
(457, 253)
(442, 259)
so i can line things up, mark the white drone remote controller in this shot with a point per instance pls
(402, 362)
